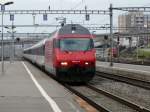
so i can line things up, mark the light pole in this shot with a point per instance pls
(2, 47)
(111, 34)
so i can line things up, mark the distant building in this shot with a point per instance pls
(122, 23)
(135, 22)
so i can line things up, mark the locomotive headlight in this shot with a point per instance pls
(86, 63)
(64, 63)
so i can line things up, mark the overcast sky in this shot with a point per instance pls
(66, 4)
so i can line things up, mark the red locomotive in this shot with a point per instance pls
(68, 54)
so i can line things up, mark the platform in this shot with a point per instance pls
(138, 72)
(27, 89)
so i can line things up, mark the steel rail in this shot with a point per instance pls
(107, 94)
(119, 99)
(98, 107)
(135, 82)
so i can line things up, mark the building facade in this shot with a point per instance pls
(133, 23)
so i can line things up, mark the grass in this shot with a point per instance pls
(143, 54)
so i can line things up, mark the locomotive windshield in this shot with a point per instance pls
(76, 44)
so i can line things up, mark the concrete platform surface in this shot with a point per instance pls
(19, 92)
(127, 70)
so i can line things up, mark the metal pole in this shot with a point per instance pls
(137, 49)
(118, 47)
(2, 47)
(10, 51)
(105, 51)
(147, 32)
(13, 44)
(111, 34)
(33, 19)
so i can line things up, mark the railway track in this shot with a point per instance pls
(98, 103)
(94, 104)
(135, 82)
(98, 97)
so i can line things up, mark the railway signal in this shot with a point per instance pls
(18, 39)
(11, 17)
(2, 7)
(87, 17)
(118, 40)
(45, 18)
(106, 37)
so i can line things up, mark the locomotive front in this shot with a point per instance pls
(74, 54)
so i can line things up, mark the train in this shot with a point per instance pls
(68, 54)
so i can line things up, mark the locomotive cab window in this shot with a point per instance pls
(76, 44)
